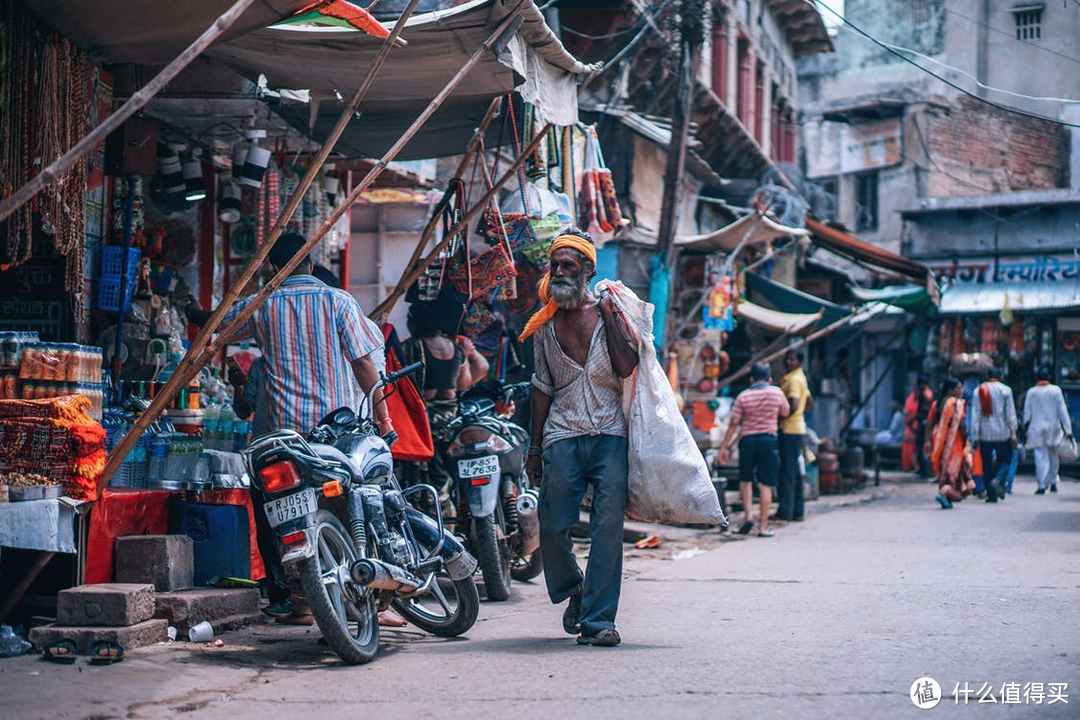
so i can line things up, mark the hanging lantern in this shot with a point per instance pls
(172, 177)
(229, 209)
(195, 186)
(254, 166)
(239, 155)
(331, 185)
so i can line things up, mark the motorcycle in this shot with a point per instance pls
(353, 538)
(496, 510)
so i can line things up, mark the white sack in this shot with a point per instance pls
(669, 480)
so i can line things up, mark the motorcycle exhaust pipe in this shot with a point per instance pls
(528, 508)
(380, 575)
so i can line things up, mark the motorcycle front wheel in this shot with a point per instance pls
(447, 609)
(325, 579)
(523, 570)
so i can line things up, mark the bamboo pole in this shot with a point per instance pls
(191, 364)
(63, 165)
(817, 335)
(410, 277)
(470, 149)
(202, 350)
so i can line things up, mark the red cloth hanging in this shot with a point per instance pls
(406, 407)
(356, 16)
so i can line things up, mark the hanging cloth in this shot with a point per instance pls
(406, 406)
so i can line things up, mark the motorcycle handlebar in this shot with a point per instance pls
(403, 372)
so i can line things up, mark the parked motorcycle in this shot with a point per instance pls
(496, 510)
(352, 536)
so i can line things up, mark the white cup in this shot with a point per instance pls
(201, 633)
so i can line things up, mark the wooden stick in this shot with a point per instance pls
(63, 165)
(828, 329)
(194, 359)
(470, 149)
(410, 277)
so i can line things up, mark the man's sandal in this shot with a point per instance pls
(106, 652)
(61, 651)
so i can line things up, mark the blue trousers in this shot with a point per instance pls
(570, 467)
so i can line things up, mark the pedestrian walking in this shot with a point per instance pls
(790, 503)
(583, 350)
(755, 418)
(949, 452)
(917, 412)
(1046, 425)
(993, 422)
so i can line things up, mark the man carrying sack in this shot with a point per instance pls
(583, 351)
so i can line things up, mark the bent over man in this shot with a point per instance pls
(583, 349)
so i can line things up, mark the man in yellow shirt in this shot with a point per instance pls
(792, 436)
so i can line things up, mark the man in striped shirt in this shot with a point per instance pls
(755, 417)
(319, 353)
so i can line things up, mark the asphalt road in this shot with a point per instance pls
(832, 618)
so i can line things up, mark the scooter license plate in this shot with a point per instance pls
(291, 507)
(478, 467)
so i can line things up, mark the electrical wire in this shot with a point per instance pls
(606, 36)
(649, 20)
(1011, 35)
(931, 73)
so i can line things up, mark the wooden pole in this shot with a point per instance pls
(817, 335)
(193, 360)
(63, 165)
(470, 149)
(410, 277)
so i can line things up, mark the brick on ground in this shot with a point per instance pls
(111, 604)
(165, 561)
(141, 634)
(225, 609)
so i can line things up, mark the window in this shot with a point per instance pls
(1028, 24)
(866, 201)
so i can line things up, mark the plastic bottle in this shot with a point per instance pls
(211, 434)
(226, 421)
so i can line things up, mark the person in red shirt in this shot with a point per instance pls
(755, 417)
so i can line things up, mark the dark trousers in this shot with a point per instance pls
(790, 491)
(920, 450)
(276, 586)
(570, 467)
(996, 457)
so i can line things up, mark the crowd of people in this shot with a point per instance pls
(973, 444)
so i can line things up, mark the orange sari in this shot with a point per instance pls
(951, 455)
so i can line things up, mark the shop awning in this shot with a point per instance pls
(970, 298)
(781, 322)
(754, 228)
(150, 32)
(789, 300)
(906, 297)
(848, 246)
(331, 62)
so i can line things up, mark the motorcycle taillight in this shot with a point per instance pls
(279, 476)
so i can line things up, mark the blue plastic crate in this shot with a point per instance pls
(112, 261)
(108, 293)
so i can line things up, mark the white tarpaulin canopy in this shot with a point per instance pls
(754, 228)
(970, 298)
(781, 322)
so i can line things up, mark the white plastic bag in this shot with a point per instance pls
(669, 481)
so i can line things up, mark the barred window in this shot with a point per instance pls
(1028, 24)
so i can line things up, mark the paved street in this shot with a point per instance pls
(832, 618)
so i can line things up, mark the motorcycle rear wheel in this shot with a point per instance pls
(523, 570)
(322, 579)
(493, 553)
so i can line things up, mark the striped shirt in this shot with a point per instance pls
(758, 409)
(584, 400)
(309, 334)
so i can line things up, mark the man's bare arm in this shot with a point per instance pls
(541, 406)
(620, 342)
(367, 375)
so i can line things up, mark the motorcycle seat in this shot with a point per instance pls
(329, 452)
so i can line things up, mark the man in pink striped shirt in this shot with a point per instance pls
(755, 416)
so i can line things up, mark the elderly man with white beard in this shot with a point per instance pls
(584, 349)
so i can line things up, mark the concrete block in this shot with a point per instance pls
(165, 561)
(225, 609)
(112, 604)
(141, 634)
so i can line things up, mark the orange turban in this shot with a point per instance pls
(543, 289)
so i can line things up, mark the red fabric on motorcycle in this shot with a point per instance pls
(406, 408)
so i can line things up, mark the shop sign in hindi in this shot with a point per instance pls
(1040, 269)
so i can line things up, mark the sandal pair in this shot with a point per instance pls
(103, 652)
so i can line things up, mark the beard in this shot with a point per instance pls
(568, 292)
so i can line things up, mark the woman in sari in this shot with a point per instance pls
(950, 453)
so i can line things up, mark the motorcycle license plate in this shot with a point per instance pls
(291, 507)
(478, 467)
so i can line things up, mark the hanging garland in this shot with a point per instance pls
(45, 106)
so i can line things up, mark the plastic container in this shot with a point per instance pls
(189, 422)
(221, 537)
(112, 261)
(108, 295)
